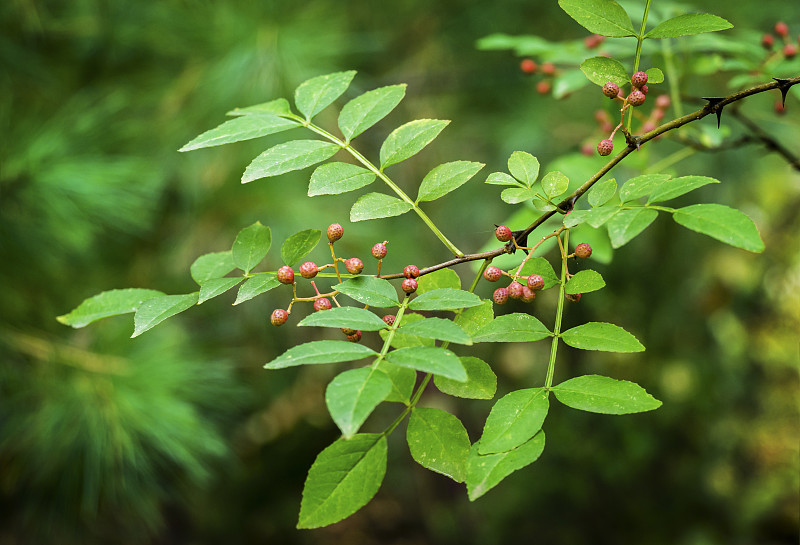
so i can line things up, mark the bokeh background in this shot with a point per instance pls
(180, 436)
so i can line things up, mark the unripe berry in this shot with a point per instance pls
(593, 41)
(409, 285)
(543, 87)
(605, 147)
(587, 149)
(411, 271)
(781, 29)
(500, 296)
(379, 250)
(789, 51)
(535, 282)
(573, 297)
(354, 265)
(611, 89)
(601, 116)
(309, 269)
(503, 233)
(515, 290)
(548, 68)
(644, 89)
(348, 331)
(662, 101)
(636, 98)
(528, 66)
(583, 250)
(355, 337)
(285, 275)
(279, 316)
(335, 232)
(638, 79)
(767, 41)
(492, 274)
(322, 304)
(528, 294)
(389, 319)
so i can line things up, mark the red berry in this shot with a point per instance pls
(335, 232)
(285, 275)
(500, 296)
(662, 101)
(611, 89)
(279, 316)
(355, 337)
(781, 29)
(379, 250)
(649, 126)
(583, 250)
(503, 233)
(411, 271)
(548, 68)
(593, 41)
(409, 285)
(528, 294)
(573, 297)
(767, 41)
(601, 116)
(657, 115)
(528, 66)
(789, 51)
(636, 98)
(587, 149)
(309, 269)
(543, 87)
(515, 290)
(639, 79)
(605, 147)
(322, 304)
(354, 265)
(492, 274)
(644, 89)
(389, 319)
(535, 282)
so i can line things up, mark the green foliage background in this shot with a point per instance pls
(180, 436)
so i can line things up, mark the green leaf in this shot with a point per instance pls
(299, 245)
(375, 292)
(335, 178)
(542, 267)
(689, 24)
(501, 178)
(403, 380)
(474, 318)
(256, 285)
(345, 317)
(445, 178)
(654, 75)
(287, 157)
(378, 205)
(567, 83)
(315, 352)
(598, 394)
(157, 309)
(438, 441)
(353, 395)
(626, 224)
(516, 195)
(343, 478)
(679, 186)
(601, 336)
(481, 381)
(602, 191)
(584, 282)
(444, 299)
(514, 419)
(601, 70)
(107, 303)
(443, 278)
(213, 265)
(409, 139)
(436, 328)
(604, 17)
(365, 110)
(722, 223)
(486, 472)
(401, 340)
(251, 246)
(641, 186)
(524, 167)
(279, 106)
(515, 327)
(217, 286)
(429, 359)
(554, 184)
(314, 95)
(595, 217)
(241, 128)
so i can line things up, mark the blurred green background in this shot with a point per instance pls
(180, 436)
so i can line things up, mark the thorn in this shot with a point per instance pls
(521, 241)
(784, 85)
(633, 141)
(713, 104)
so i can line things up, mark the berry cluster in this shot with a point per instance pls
(548, 69)
(787, 52)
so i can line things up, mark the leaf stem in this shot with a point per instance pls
(551, 366)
